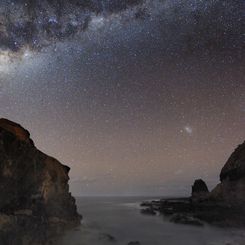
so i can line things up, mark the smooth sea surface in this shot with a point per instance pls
(120, 218)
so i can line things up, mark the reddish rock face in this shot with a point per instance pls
(16, 129)
(31, 183)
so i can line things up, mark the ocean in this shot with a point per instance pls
(117, 220)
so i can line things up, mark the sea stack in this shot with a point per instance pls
(34, 193)
(199, 190)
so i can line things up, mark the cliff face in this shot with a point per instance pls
(33, 186)
(232, 177)
(234, 169)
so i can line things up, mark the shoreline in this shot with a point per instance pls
(183, 210)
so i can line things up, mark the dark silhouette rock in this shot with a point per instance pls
(145, 203)
(234, 169)
(199, 190)
(199, 186)
(232, 187)
(34, 190)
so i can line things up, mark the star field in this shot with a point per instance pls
(138, 97)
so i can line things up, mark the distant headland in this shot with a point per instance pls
(223, 206)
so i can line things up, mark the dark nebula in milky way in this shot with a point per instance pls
(36, 23)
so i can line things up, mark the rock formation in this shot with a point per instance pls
(34, 191)
(232, 187)
(224, 205)
(199, 190)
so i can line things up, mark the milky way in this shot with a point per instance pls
(138, 97)
(34, 24)
(37, 23)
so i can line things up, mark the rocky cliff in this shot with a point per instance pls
(224, 205)
(232, 186)
(34, 192)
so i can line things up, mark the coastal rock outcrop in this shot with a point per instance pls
(199, 190)
(185, 219)
(234, 168)
(34, 192)
(223, 206)
(232, 186)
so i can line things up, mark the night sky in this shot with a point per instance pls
(138, 97)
